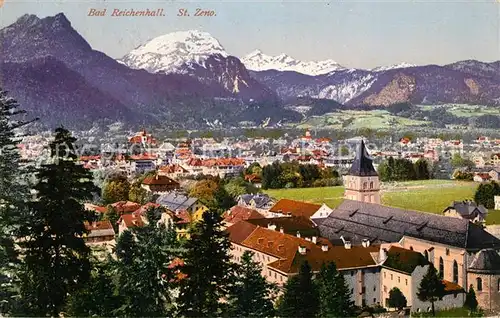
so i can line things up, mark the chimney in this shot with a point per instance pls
(347, 245)
(324, 248)
(308, 239)
(315, 239)
(302, 250)
(298, 234)
(271, 226)
(94, 224)
(365, 243)
(156, 177)
(382, 255)
(282, 230)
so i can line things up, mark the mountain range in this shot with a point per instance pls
(187, 79)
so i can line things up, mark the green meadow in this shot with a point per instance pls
(427, 196)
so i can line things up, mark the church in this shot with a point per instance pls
(463, 252)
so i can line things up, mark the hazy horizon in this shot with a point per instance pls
(354, 34)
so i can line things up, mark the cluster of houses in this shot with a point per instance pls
(375, 247)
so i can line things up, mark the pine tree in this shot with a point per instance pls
(396, 299)
(251, 293)
(431, 287)
(13, 196)
(300, 298)
(112, 216)
(208, 268)
(97, 298)
(56, 259)
(144, 255)
(334, 295)
(470, 300)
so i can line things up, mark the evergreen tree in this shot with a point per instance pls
(251, 294)
(56, 259)
(396, 299)
(13, 196)
(208, 268)
(422, 169)
(334, 295)
(300, 298)
(470, 300)
(97, 298)
(112, 216)
(485, 194)
(144, 255)
(431, 287)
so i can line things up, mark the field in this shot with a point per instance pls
(354, 119)
(428, 196)
(462, 110)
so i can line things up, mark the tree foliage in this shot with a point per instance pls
(115, 190)
(334, 295)
(470, 300)
(208, 268)
(396, 299)
(403, 169)
(251, 295)
(13, 195)
(56, 259)
(485, 194)
(300, 297)
(431, 287)
(294, 175)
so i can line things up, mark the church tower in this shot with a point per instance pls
(362, 182)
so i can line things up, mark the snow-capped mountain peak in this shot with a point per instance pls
(392, 67)
(167, 53)
(258, 61)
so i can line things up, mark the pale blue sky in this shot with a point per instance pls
(354, 33)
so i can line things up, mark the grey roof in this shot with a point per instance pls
(379, 223)
(362, 165)
(175, 201)
(486, 261)
(260, 199)
(468, 209)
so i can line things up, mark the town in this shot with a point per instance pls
(380, 250)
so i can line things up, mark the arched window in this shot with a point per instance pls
(441, 268)
(371, 185)
(455, 272)
(479, 284)
(364, 185)
(426, 254)
(411, 248)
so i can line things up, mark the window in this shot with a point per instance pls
(392, 276)
(375, 287)
(399, 279)
(352, 290)
(447, 251)
(411, 248)
(374, 300)
(371, 185)
(269, 273)
(385, 289)
(479, 284)
(364, 185)
(352, 273)
(455, 272)
(275, 275)
(363, 290)
(406, 281)
(384, 274)
(441, 268)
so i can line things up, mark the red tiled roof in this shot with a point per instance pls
(88, 158)
(285, 248)
(254, 178)
(212, 162)
(144, 156)
(296, 208)
(95, 208)
(238, 213)
(143, 209)
(172, 169)
(183, 217)
(125, 206)
(238, 232)
(99, 225)
(137, 139)
(131, 220)
(450, 287)
(159, 180)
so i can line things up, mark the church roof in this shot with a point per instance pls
(362, 165)
(486, 261)
(379, 223)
